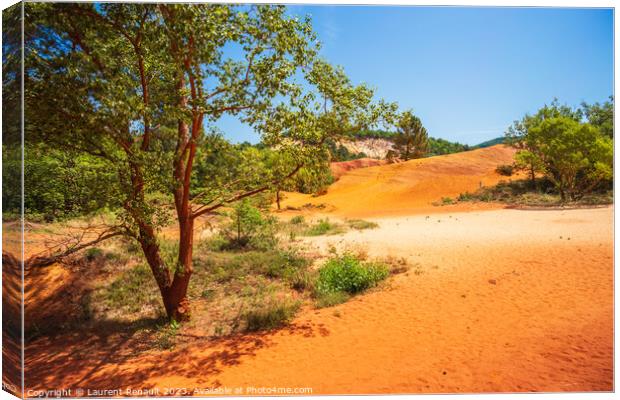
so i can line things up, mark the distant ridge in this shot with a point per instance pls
(489, 143)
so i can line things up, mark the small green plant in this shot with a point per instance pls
(324, 227)
(298, 220)
(360, 224)
(271, 315)
(167, 334)
(347, 274)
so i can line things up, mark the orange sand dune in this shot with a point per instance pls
(409, 187)
(341, 167)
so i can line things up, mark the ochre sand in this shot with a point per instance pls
(409, 187)
(504, 300)
(496, 300)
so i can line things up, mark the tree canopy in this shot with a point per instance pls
(139, 88)
(570, 146)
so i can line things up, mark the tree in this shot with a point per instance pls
(601, 116)
(412, 138)
(575, 156)
(137, 85)
(517, 134)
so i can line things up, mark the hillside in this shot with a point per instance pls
(372, 147)
(409, 187)
(489, 143)
(340, 168)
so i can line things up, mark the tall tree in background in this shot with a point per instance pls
(575, 155)
(601, 116)
(412, 138)
(137, 85)
(529, 152)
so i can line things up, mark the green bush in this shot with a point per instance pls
(347, 274)
(270, 315)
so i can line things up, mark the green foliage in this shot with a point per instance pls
(271, 315)
(57, 184)
(438, 146)
(338, 152)
(348, 274)
(601, 116)
(540, 193)
(412, 139)
(489, 143)
(576, 156)
(248, 228)
(374, 134)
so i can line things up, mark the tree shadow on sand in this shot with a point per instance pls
(96, 360)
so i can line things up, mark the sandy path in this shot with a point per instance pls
(504, 300)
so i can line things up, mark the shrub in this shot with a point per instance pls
(466, 197)
(298, 220)
(270, 315)
(248, 228)
(302, 280)
(93, 253)
(324, 227)
(505, 169)
(446, 201)
(347, 274)
(360, 224)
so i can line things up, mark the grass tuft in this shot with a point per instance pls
(360, 224)
(271, 315)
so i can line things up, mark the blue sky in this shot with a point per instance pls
(466, 72)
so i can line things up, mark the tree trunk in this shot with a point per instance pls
(176, 302)
(278, 199)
